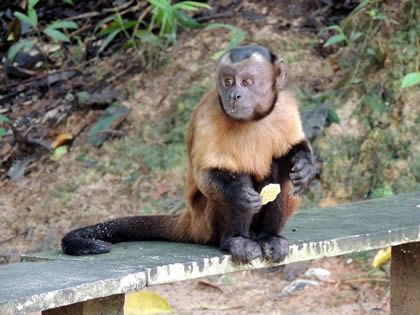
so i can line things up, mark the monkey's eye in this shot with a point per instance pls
(228, 82)
(247, 82)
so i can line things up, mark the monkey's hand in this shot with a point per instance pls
(244, 197)
(303, 171)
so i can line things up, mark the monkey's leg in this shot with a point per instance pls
(235, 232)
(237, 239)
(273, 217)
(274, 247)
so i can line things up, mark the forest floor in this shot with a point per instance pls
(92, 184)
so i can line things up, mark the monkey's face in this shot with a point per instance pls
(247, 89)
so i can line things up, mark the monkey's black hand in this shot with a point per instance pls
(244, 197)
(303, 172)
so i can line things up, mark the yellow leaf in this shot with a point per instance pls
(61, 139)
(143, 302)
(381, 257)
(59, 152)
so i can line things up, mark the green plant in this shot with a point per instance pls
(165, 16)
(237, 37)
(168, 16)
(354, 35)
(114, 29)
(3, 130)
(381, 192)
(52, 30)
(410, 79)
(374, 15)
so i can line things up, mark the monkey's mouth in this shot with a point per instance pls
(235, 108)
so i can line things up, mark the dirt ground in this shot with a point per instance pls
(259, 292)
(56, 197)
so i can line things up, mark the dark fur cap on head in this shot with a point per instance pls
(239, 54)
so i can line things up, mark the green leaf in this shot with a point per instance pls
(108, 40)
(380, 16)
(196, 4)
(410, 79)
(186, 20)
(149, 38)
(218, 54)
(4, 118)
(335, 27)
(56, 35)
(217, 25)
(33, 16)
(69, 2)
(183, 6)
(371, 52)
(59, 153)
(24, 18)
(63, 24)
(117, 26)
(335, 39)
(160, 4)
(355, 35)
(360, 6)
(111, 117)
(104, 21)
(332, 116)
(2, 133)
(32, 3)
(237, 38)
(24, 45)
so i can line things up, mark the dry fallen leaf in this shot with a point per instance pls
(144, 302)
(209, 285)
(381, 257)
(61, 139)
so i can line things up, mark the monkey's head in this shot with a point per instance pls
(248, 80)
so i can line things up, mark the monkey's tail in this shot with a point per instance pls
(97, 239)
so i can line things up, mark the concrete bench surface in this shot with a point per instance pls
(52, 279)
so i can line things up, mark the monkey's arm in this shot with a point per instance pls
(302, 163)
(233, 189)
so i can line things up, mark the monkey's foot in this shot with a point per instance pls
(274, 248)
(242, 249)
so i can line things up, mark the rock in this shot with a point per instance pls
(298, 285)
(24, 63)
(314, 121)
(319, 273)
(292, 271)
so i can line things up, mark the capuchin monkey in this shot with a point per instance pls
(243, 135)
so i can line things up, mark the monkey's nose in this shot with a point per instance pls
(234, 97)
(237, 97)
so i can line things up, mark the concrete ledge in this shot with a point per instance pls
(62, 280)
(313, 234)
(31, 287)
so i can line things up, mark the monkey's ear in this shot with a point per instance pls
(280, 69)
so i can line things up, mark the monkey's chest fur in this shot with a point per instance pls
(243, 147)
